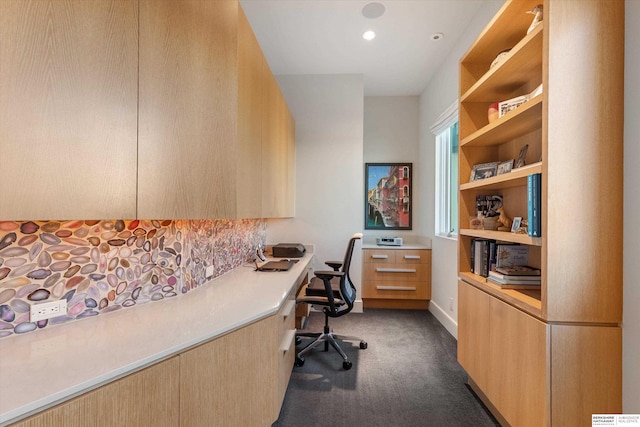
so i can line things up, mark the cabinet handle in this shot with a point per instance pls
(288, 308)
(396, 270)
(379, 256)
(412, 257)
(396, 288)
(287, 340)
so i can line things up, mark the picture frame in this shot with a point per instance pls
(483, 170)
(520, 161)
(505, 167)
(388, 196)
(516, 224)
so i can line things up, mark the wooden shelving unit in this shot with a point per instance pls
(576, 146)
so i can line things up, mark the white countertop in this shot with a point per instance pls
(401, 247)
(45, 367)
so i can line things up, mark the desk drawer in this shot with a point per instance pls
(397, 290)
(396, 272)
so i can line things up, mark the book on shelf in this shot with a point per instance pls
(511, 255)
(480, 257)
(514, 285)
(507, 278)
(534, 196)
(518, 270)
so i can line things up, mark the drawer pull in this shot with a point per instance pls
(412, 257)
(287, 340)
(396, 270)
(380, 256)
(396, 288)
(288, 308)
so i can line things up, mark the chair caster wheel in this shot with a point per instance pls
(363, 345)
(347, 365)
(298, 340)
(299, 361)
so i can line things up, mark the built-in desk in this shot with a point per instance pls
(241, 318)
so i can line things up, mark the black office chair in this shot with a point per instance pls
(335, 291)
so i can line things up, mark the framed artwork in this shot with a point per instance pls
(505, 167)
(387, 196)
(516, 224)
(483, 170)
(520, 161)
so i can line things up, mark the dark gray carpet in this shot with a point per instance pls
(408, 376)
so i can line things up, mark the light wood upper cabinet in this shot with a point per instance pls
(188, 109)
(252, 67)
(68, 109)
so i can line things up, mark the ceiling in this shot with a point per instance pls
(325, 37)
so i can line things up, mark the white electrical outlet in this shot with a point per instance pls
(208, 272)
(451, 304)
(47, 310)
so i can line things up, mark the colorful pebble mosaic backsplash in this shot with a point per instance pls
(102, 266)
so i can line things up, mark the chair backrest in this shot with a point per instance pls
(347, 289)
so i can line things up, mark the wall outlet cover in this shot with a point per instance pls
(47, 310)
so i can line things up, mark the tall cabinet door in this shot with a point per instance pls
(188, 109)
(68, 101)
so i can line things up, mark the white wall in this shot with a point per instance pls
(441, 91)
(631, 311)
(391, 134)
(328, 110)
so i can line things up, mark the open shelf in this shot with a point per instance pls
(515, 178)
(505, 236)
(525, 60)
(527, 300)
(522, 120)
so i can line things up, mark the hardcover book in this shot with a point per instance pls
(511, 255)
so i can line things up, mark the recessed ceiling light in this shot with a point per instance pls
(437, 36)
(373, 10)
(368, 35)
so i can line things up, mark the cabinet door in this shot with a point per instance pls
(146, 398)
(188, 109)
(231, 381)
(474, 307)
(517, 375)
(68, 109)
(251, 117)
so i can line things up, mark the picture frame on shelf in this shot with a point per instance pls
(516, 224)
(505, 167)
(520, 161)
(484, 170)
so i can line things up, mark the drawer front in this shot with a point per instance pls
(396, 290)
(379, 256)
(396, 272)
(414, 256)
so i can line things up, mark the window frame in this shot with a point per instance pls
(446, 224)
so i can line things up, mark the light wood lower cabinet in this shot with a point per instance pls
(230, 381)
(396, 278)
(145, 398)
(533, 373)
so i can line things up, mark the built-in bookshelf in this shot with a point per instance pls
(569, 69)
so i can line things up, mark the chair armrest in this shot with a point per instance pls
(334, 264)
(328, 275)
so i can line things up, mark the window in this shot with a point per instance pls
(446, 131)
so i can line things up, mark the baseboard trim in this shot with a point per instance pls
(446, 320)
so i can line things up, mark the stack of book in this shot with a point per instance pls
(517, 277)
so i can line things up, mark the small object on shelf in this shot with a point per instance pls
(483, 170)
(475, 223)
(499, 58)
(509, 255)
(504, 222)
(488, 205)
(492, 112)
(518, 270)
(537, 19)
(516, 224)
(490, 223)
(523, 227)
(520, 161)
(537, 91)
(505, 167)
(511, 104)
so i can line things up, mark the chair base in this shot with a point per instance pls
(328, 338)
